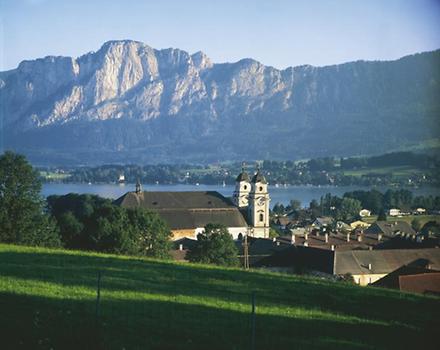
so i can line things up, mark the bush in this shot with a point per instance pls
(214, 246)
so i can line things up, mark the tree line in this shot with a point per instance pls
(347, 207)
(320, 171)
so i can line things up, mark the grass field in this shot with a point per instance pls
(49, 175)
(48, 301)
(392, 170)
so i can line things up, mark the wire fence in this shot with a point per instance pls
(88, 302)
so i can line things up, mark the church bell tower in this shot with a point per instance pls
(258, 209)
(242, 189)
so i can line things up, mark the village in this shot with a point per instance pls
(384, 253)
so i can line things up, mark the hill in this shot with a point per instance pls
(48, 300)
(130, 103)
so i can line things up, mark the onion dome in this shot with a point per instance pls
(243, 176)
(259, 177)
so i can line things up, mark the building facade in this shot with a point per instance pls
(187, 213)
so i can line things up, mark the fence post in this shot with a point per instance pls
(253, 322)
(98, 297)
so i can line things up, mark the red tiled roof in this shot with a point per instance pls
(422, 283)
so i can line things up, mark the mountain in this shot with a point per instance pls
(128, 102)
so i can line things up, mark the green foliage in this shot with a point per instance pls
(348, 209)
(93, 223)
(382, 216)
(273, 233)
(22, 214)
(214, 246)
(153, 234)
(401, 168)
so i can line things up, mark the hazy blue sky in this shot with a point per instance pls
(280, 33)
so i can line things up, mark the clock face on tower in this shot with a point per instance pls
(244, 198)
(261, 201)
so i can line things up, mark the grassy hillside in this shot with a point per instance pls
(48, 300)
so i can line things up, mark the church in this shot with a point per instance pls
(187, 213)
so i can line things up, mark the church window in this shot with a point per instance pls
(261, 188)
(245, 187)
(261, 217)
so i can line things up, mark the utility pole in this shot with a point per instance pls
(246, 252)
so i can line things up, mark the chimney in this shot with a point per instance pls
(369, 267)
(379, 237)
(326, 238)
(306, 236)
(333, 247)
(348, 237)
(180, 246)
(360, 238)
(292, 239)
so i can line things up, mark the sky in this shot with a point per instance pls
(279, 33)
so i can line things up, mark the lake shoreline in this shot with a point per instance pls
(280, 194)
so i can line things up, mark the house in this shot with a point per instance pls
(343, 227)
(180, 248)
(365, 266)
(394, 212)
(391, 229)
(322, 222)
(260, 248)
(334, 241)
(359, 224)
(369, 266)
(364, 213)
(415, 277)
(420, 211)
(187, 213)
(282, 222)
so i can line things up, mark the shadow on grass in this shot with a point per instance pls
(43, 323)
(167, 324)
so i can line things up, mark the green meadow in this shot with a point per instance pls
(48, 300)
(404, 170)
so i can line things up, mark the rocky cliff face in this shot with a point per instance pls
(130, 100)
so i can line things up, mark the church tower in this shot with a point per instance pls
(242, 189)
(258, 210)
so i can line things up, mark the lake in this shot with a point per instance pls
(283, 195)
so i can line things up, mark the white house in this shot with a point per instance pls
(394, 212)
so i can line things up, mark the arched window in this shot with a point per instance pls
(261, 217)
(261, 188)
(245, 187)
(240, 236)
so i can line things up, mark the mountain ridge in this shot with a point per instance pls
(170, 105)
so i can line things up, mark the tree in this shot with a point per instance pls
(23, 218)
(90, 222)
(348, 209)
(214, 246)
(294, 204)
(382, 215)
(151, 232)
